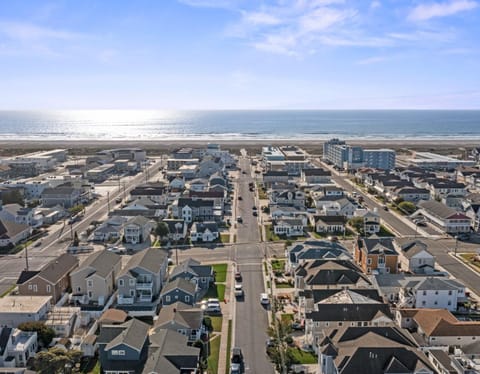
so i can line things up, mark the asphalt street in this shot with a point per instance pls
(251, 318)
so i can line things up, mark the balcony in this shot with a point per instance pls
(144, 286)
(125, 300)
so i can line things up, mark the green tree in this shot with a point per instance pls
(407, 207)
(54, 360)
(356, 223)
(207, 321)
(45, 333)
(76, 209)
(162, 229)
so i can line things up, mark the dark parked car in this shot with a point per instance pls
(236, 362)
(238, 276)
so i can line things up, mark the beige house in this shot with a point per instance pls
(94, 281)
(52, 280)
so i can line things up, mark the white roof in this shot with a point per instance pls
(23, 304)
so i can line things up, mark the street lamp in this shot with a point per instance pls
(178, 226)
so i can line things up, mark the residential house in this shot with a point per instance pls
(142, 278)
(328, 224)
(315, 176)
(209, 166)
(123, 348)
(107, 232)
(371, 221)
(344, 310)
(198, 185)
(376, 254)
(217, 179)
(439, 327)
(218, 197)
(299, 253)
(12, 233)
(448, 219)
(177, 184)
(137, 230)
(289, 227)
(169, 353)
(15, 310)
(94, 280)
(441, 188)
(284, 211)
(52, 280)
(371, 350)
(113, 316)
(66, 197)
(432, 292)
(320, 274)
(204, 232)
(414, 256)
(155, 191)
(177, 229)
(195, 272)
(274, 176)
(191, 209)
(411, 194)
(16, 347)
(182, 318)
(145, 207)
(290, 198)
(63, 320)
(335, 205)
(179, 289)
(16, 213)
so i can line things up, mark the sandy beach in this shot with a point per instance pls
(155, 147)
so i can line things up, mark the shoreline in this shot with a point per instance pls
(10, 147)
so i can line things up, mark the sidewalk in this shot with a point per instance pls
(228, 313)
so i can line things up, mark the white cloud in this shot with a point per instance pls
(375, 4)
(425, 12)
(210, 3)
(261, 18)
(31, 32)
(373, 60)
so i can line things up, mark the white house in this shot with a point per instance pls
(16, 347)
(11, 233)
(17, 309)
(204, 231)
(137, 230)
(414, 256)
(289, 227)
(432, 292)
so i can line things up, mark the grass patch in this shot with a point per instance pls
(385, 232)
(216, 291)
(470, 259)
(12, 287)
(302, 357)
(229, 345)
(271, 236)
(216, 323)
(156, 244)
(278, 265)
(220, 272)
(287, 317)
(268, 284)
(235, 238)
(283, 285)
(212, 360)
(224, 238)
(322, 235)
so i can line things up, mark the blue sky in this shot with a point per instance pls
(234, 54)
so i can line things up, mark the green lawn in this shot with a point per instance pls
(216, 291)
(271, 236)
(283, 285)
(156, 243)
(224, 238)
(469, 258)
(229, 345)
(348, 234)
(216, 323)
(384, 231)
(302, 357)
(287, 317)
(8, 291)
(220, 272)
(278, 265)
(213, 357)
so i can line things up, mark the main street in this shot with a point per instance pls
(251, 317)
(56, 242)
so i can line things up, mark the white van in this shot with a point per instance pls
(264, 300)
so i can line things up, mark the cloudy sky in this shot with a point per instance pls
(240, 54)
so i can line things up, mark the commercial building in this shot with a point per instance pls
(429, 160)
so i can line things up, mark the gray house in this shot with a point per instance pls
(192, 209)
(179, 290)
(183, 318)
(141, 280)
(123, 348)
(192, 270)
(61, 195)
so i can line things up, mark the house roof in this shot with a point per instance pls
(377, 246)
(411, 247)
(54, 271)
(440, 210)
(201, 227)
(171, 224)
(331, 272)
(138, 220)
(26, 275)
(275, 173)
(288, 221)
(168, 353)
(349, 312)
(102, 262)
(180, 283)
(150, 259)
(348, 296)
(330, 220)
(193, 267)
(113, 316)
(435, 284)
(4, 338)
(11, 208)
(180, 314)
(54, 191)
(134, 334)
(316, 172)
(323, 294)
(10, 229)
(184, 201)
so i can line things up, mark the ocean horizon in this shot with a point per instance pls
(239, 125)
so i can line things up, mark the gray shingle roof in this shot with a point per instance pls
(179, 314)
(102, 262)
(180, 283)
(193, 267)
(134, 334)
(150, 259)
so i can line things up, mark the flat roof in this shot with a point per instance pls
(23, 304)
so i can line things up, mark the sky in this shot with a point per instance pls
(240, 54)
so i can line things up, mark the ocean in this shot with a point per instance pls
(239, 124)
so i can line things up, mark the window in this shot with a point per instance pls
(369, 261)
(424, 293)
(49, 288)
(424, 302)
(167, 298)
(449, 303)
(436, 292)
(35, 288)
(78, 289)
(132, 293)
(29, 286)
(369, 270)
(132, 282)
(90, 294)
(116, 352)
(120, 283)
(450, 293)
(187, 298)
(89, 283)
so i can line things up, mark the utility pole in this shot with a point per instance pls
(26, 255)
(108, 201)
